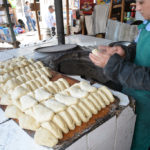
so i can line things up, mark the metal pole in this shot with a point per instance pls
(37, 20)
(59, 21)
(67, 12)
(15, 43)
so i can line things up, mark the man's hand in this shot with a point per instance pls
(104, 53)
(112, 50)
(100, 59)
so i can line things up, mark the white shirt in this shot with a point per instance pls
(50, 20)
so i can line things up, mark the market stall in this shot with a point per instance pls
(107, 129)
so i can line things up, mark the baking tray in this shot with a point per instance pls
(96, 120)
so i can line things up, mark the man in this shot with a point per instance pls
(130, 66)
(28, 13)
(50, 21)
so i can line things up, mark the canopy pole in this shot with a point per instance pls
(59, 21)
(37, 20)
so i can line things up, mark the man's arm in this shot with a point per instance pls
(127, 73)
(130, 51)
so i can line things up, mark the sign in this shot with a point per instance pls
(98, 2)
(86, 6)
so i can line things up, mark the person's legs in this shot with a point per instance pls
(53, 31)
(31, 21)
(34, 22)
(28, 23)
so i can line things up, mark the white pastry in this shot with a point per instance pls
(17, 72)
(45, 137)
(87, 87)
(47, 71)
(54, 86)
(29, 123)
(23, 70)
(67, 100)
(81, 113)
(90, 105)
(50, 89)
(67, 118)
(107, 92)
(13, 112)
(11, 84)
(54, 105)
(42, 113)
(27, 102)
(65, 82)
(53, 128)
(32, 85)
(103, 96)
(60, 123)
(74, 116)
(18, 92)
(41, 94)
(99, 99)
(85, 109)
(94, 101)
(77, 92)
(5, 99)
(60, 85)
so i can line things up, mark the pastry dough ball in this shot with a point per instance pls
(67, 100)
(4, 78)
(60, 85)
(32, 85)
(17, 72)
(29, 123)
(85, 109)
(27, 102)
(90, 105)
(50, 89)
(23, 70)
(94, 101)
(40, 64)
(54, 86)
(47, 72)
(80, 113)
(99, 99)
(87, 87)
(65, 82)
(42, 113)
(13, 112)
(74, 116)
(95, 51)
(11, 84)
(41, 94)
(60, 123)
(6, 100)
(45, 137)
(53, 128)
(75, 91)
(103, 96)
(18, 92)
(67, 118)
(21, 79)
(54, 105)
(107, 92)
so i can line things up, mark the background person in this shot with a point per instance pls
(28, 13)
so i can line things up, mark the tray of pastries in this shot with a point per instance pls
(54, 109)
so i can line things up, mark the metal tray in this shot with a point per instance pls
(56, 48)
(124, 43)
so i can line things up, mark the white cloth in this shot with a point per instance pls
(100, 15)
(50, 20)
